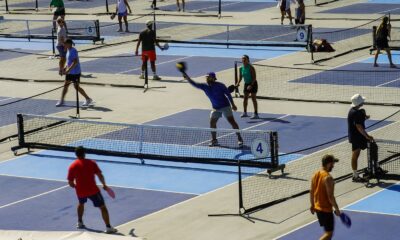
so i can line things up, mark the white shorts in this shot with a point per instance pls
(217, 113)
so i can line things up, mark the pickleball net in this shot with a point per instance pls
(180, 144)
(384, 159)
(380, 86)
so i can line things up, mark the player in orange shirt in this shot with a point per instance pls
(322, 196)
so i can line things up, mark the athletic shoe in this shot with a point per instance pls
(88, 102)
(141, 76)
(255, 116)
(213, 143)
(244, 115)
(359, 179)
(80, 225)
(110, 230)
(155, 77)
(240, 143)
(60, 104)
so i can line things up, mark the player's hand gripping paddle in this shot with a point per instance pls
(110, 192)
(181, 66)
(232, 88)
(345, 219)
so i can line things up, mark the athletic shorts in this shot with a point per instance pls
(123, 14)
(360, 144)
(97, 199)
(326, 220)
(151, 55)
(217, 113)
(61, 51)
(72, 77)
(254, 89)
(59, 13)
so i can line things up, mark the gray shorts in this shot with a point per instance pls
(217, 113)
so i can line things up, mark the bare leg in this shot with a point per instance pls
(245, 101)
(120, 23)
(254, 98)
(153, 66)
(126, 23)
(327, 236)
(61, 65)
(81, 91)
(65, 90)
(234, 125)
(390, 58)
(105, 215)
(183, 5)
(376, 57)
(177, 5)
(213, 124)
(80, 210)
(290, 16)
(282, 16)
(354, 159)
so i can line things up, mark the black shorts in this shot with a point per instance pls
(254, 89)
(59, 13)
(97, 200)
(359, 144)
(382, 44)
(326, 220)
(72, 77)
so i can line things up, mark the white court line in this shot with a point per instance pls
(5, 99)
(36, 196)
(139, 68)
(383, 84)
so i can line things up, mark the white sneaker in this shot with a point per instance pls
(80, 225)
(88, 102)
(244, 115)
(156, 77)
(60, 104)
(141, 76)
(213, 143)
(110, 230)
(255, 116)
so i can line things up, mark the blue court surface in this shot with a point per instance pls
(9, 112)
(372, 7)
(36, 184)
(388, 77)
(226, 6)
(374, 217)
(29, 4)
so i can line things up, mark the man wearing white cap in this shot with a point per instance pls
(358, 137)
(148, 37)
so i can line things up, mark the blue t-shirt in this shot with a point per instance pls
(72, 54)
(218, 93)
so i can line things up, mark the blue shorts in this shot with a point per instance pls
(61, 51)
(97, 199)
(123, 14)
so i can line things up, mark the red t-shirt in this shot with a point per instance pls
(83, 172)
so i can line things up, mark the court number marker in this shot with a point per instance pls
(301, 35)
(259, 148)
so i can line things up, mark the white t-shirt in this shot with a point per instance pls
(61, 34)
(121, 6)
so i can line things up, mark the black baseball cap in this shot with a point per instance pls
(69, 40)
(329, 158)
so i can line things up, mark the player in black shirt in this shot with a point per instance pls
(358, 137)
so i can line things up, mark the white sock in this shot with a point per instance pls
(154, 74)
(355, 173)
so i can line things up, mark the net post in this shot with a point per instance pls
(107, 10)
(97, 27)
(7, 10)
(36, 5)
(236, 80)
(53, 44)
(310, 42)
(274, 149)
(21, 132)
(29, 31)
(219, 8)
(240, 187)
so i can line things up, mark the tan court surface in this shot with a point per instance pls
(189, 219)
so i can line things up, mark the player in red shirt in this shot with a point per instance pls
(81, 176)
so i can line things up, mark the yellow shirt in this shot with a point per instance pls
(321, 200)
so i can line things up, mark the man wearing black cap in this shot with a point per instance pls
(148, 37)
(222, 103)
(322, 197)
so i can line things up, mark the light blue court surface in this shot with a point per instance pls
(33, 44)
(385, 1)
(383, 58)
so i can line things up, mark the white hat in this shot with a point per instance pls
(357, 100)
(149, 23)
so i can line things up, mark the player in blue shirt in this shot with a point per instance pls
(73, 74)
(222, 103)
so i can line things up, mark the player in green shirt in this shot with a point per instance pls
(248, 74)
(58, 9)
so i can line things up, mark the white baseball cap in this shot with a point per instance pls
(357, 100)
(149, 23)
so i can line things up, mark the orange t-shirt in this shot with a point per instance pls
(321, 200)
